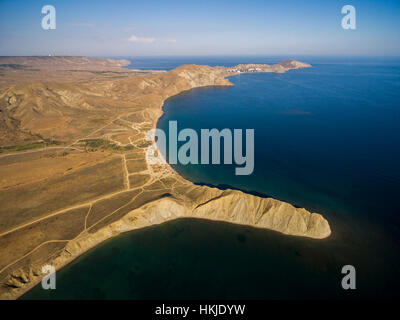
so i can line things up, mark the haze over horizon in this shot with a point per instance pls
(154, 28)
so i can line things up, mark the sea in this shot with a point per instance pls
(327, 138)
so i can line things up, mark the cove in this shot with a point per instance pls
(326, 138)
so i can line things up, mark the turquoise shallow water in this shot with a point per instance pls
(327, 139)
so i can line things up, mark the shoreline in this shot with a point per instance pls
(66, 262)
(73, 258)
(84, 242)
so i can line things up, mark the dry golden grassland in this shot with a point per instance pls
(73, 168)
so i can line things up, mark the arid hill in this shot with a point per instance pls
(74, 166)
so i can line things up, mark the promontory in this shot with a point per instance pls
(73, 167)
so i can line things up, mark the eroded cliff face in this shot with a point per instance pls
(230, 206)
(137, 193)
(185, 201)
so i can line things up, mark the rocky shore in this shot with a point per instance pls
(144, 193)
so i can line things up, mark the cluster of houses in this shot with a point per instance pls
(245, 68)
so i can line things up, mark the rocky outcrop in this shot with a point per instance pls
(235, 207)
(294, 64)
(275, 68)
(84, 110)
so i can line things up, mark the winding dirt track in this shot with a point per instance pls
(88, 204)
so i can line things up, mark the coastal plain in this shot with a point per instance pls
(75, 165)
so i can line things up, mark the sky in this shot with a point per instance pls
(206, 27)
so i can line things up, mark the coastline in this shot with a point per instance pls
(87, 241)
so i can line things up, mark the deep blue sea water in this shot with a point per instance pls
(327, 138)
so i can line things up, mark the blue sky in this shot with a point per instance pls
(217, 27)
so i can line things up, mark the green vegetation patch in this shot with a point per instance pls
(102, 144)
(30, 146)
(22, 147)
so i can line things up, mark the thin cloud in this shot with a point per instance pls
(170, 41)
(83, 24)
(134, 38)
